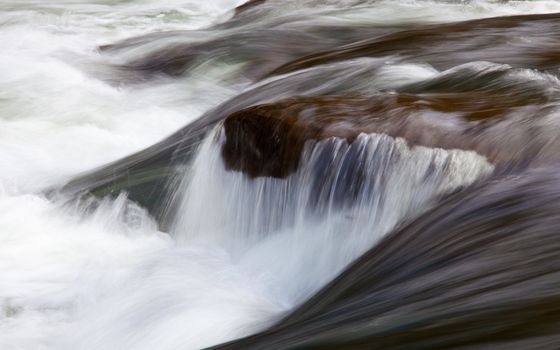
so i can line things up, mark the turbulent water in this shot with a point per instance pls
(86, 83)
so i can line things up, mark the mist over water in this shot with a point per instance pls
(242, 252)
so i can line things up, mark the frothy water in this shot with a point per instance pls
(246, 250)
(298, 233)
(57, 117)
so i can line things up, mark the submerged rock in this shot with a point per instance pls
(522, 41)
(248, 6)
(247, 53)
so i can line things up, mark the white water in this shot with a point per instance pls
(296, 234)
(56, 119)
(109, 279)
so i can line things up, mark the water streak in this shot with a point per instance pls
(301, 231)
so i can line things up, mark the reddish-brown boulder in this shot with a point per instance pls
(268, 139)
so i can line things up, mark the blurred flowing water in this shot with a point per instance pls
(241, 252)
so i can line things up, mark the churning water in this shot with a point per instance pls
(242, 252)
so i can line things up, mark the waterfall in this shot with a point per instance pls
(299, 232)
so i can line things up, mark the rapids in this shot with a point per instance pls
(123, 227)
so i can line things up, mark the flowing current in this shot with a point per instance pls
(241, 252)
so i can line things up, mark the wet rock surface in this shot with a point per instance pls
(267, 140)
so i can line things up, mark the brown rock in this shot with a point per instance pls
(267, 140)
